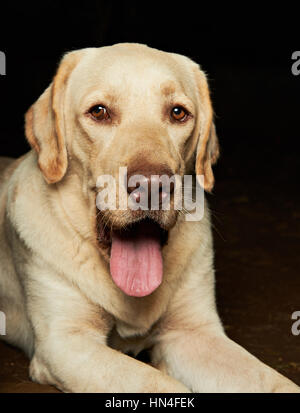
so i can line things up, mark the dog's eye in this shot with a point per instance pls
(179, 113)
(99, 112)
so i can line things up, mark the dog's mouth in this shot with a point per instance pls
(136, 263)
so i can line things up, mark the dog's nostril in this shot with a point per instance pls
(136, 195)
(167, 187)
(130, 189)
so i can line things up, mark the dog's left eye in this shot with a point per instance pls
(179, 113)
(99, 112)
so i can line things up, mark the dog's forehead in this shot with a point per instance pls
(134, 68)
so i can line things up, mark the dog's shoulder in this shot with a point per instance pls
(6, 168)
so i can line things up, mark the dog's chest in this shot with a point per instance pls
(129, 339)
(126, 330)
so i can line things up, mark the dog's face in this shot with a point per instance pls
(126, 106)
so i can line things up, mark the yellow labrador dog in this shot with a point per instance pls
(80, 286)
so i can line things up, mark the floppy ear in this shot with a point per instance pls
(44, 124)
(207, 151)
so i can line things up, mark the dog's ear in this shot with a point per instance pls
(44, 123)
(207, 151)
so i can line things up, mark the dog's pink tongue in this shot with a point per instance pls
(136, 264)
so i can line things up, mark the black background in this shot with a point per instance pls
(245, 51)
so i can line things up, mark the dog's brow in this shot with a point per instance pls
(168, 87)
(111, 97)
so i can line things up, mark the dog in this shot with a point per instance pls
(82, 287)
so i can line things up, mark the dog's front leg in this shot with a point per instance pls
(81, 364)
(71, 351)
(212, 363)
(193, 348)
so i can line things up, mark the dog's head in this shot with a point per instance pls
(132, 107)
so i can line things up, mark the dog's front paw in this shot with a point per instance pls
(40, 373)
(285, 386)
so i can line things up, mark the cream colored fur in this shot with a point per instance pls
(62, 307)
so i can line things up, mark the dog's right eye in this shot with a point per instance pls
(99, 112)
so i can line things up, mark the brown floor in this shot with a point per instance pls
(256, 230)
